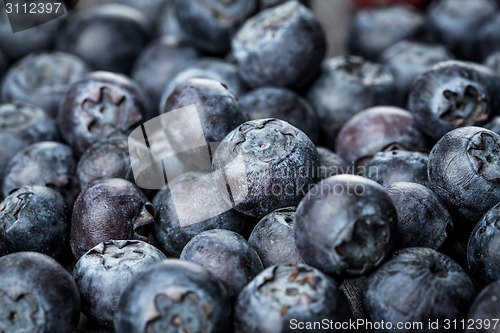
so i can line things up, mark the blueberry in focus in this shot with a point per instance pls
(345, 225)
(274, 239)
(21, 125)
(283, 295)
(36, 218)
(108, 209)
(423, 220)
(36, 295)
(172, 233)
(44, 163)
(391, 166)
(6, 245)
(279, 164)
(376, 129)
(280, 46)
(103, 272)
(452, 94)
(173, 296)
(484, 309)
(417, 285)
(483, 258)
(227, 255)
(281, 103)
(97, 106)
(344, 87)
(375, 29)
(42, 79)
(464, 170)
(209, 24)
(108, 37)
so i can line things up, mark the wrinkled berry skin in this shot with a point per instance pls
(217, 108)
(45, 163)
(209, 23)
(42, 79)
(171, 233)
(173, 296)
(344, 87)
(270, 47)
(97, 106)
(345, 225)
(279, 162)
(452, 94)
(21, 125)
(376, 129)
(159, 62)
(486, 306)
(227, 255)
(108, 37)
(423, 220)
(208, 68)
(388, 167)
(483, 258)
(281, 103)
(417, 285)
(408, 59)
(456, 24)
(108, 209)
(36, 295)
(332, 164)
(106, 159)
(284, 294)
(464, 170)
(274, 239)
(103, 272)
(375, 29)
(36, 218)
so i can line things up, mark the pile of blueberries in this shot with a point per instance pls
(368, 190)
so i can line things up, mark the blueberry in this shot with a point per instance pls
(418, 285)
(36, 295)
(208, 68)
(345, 86)
(42, 79)
(488, 36)
(108, 209)
(150, 8)
(484, 310)
(21, 125)
(173, 233)
(332, 164)
(493, 61)
(97, 106)
(456, 24)
(281, 103)
(45, 163)
(283, 296)
(345, 225)
(449, 95)
(408, 59)
(108, 37)
(36, 218)
(269, 47)
(423, 220)
(227, 255)
(464, 170)
(388, 167)
(482, 250)
(173, 296)
(103, 272)
(279, 162)
(6, 245)
(209, 24)
(375, 29)
(376, 129)
(106, 159)
(274, 239)
(159, 62)
(264, 4)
